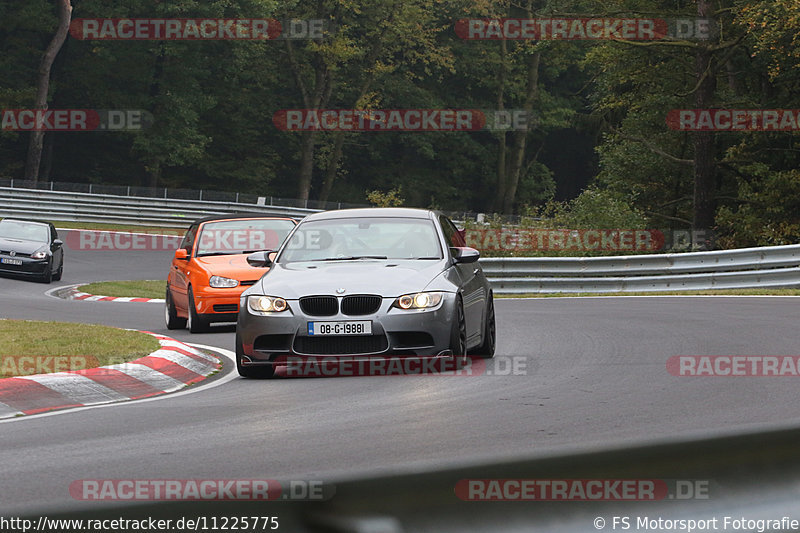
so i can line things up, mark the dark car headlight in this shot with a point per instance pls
(266, 304)
(41, 254)
(418, 300)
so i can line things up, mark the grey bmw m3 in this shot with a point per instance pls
(366, 283)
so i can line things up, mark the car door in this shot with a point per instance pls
(56, 248)
(472, 290)
(178, 278)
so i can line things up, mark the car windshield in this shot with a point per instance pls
(241, 236)
(26, 231)
(362, 239)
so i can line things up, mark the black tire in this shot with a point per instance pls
(171, 315)
(47, 277)
(257, 372)
(59, 272)
(458, 337)
(487, 347)
(196, 323)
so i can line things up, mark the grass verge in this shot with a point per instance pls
(33, 347)
(121, 227)
(125, 289)
(717, 292)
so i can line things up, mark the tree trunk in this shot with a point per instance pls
(500, 179)
(520, 137)
(704, 151)
(333, 166)
(43, 87)
(306, 164)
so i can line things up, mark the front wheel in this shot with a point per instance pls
(250, 371)
(171, 315)
(487, 347)
(195, 323)
(47, 277)
(59, 272)
(458, 337)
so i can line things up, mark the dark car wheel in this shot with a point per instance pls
(458, 337)
(171, 315)
(195, 323)
(487, 347)
(59, 272)
(250, 372)
(47, 277)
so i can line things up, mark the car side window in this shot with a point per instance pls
(451, 233)
(188, 239)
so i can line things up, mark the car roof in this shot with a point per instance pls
(36, 221)
(376, 212)
(234, 216)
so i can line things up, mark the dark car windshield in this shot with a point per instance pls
(362, 239)
(240, 236)
(26, 231)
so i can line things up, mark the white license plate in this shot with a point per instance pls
(7, 261)
(348, 327)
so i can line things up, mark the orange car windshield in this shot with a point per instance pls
(242, 236)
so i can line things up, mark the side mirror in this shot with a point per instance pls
(465, 254)
(57, 242)
(182, 254)
(261, 259)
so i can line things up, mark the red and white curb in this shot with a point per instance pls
(172, 367)
(73, 293)
(86, 297)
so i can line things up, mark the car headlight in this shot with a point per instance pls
(41, 254)
(419, 300)
(266, 304)
(218, 282)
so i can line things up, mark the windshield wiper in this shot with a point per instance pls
(352, 257)
(216, 253)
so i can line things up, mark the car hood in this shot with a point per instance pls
(390, 278)
(20, 246)
(230, 266)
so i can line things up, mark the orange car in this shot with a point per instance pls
(210, 271)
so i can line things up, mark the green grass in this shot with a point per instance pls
(716, 292)
(134, 289)
(120, 227)
(33, 347)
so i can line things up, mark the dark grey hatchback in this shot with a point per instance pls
(366, 283)
(30, 248)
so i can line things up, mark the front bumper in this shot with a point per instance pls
(218, 305)
(422, 333)
(29, 267)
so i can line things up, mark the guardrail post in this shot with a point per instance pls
(201, 195)
(129, 190)
(270, 200)
(90, 188)
(237, 197)
(12, 183)
(51, 185)
(165, 193)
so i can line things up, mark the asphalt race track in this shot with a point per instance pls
(596, 377)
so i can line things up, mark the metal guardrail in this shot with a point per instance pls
(775, 266)
(111, 209)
